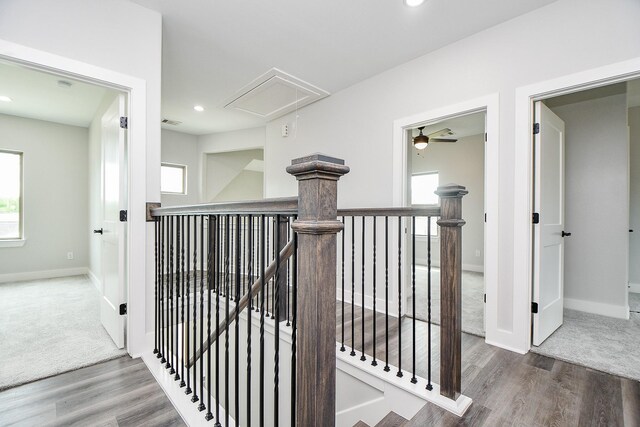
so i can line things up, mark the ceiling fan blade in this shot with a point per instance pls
(441, 132)
(441, 140)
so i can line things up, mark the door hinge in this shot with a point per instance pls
(485, 217)
(536, 218)
(536, 128)
(123, 216)
(124, 122)
(534, 307)
(485, 137)
(123, 309)
(485, 298)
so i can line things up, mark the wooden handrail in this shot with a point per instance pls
(285, 253)
(277, 206)
(422, 210)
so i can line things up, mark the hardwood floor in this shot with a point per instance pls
(121, 392)
(508, 389)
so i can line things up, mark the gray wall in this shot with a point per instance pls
(55, 195)
(634, 238)
(461, 163)
(597, 200)
(182, 148)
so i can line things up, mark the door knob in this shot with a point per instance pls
(98, 231)
(564, 234)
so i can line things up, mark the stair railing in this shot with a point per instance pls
(273, 264)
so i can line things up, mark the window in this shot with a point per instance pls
(423, 187)
(10, 195)
(173, 179)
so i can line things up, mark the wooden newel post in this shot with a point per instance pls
(317, 226)
(451, 223)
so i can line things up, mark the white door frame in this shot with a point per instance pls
(522, 243)
(137, 146)
(491, 105)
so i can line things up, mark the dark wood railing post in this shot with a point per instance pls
(451, 223)
(317, 226)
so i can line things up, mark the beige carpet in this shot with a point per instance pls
(472, 299)
(48, 327)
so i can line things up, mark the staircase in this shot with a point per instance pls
(390, 420)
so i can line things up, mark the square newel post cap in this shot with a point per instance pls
(451, 191)
(317, 165)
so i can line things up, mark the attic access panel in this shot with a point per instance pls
(275, 94)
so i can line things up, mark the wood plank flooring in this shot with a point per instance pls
(121, 392)
(507, 389)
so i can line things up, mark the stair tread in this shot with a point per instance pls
(392, 420)
(361, 424)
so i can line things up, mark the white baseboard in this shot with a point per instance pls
(94, 279)
(44, 274)
(634, 287)
(609, 310)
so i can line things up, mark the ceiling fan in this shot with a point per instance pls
(443, 135)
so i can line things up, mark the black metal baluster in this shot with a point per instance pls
(160, 354)
(201, 406)
(249, 316)
(227, 287)
(156, 296)
(399, 374)
(294, 336)
(274, 225)
(386, 294)
(219, 253)
(194, 398)
(375, 313)
(429, 385)
(276, 309)
(172, 299)
(176, 335)
(363, 358)
(288, 295)
(268, 249)
(187, 331)
(353, 286)
(413, 294)
(237, 321)
(262, 314)
(211, 251)
(342, 348)
(182, 290)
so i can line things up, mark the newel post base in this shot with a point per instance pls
(451, 223)
(316, 226)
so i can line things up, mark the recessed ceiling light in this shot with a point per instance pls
(413, 3)
(4, 98)
(198, 108)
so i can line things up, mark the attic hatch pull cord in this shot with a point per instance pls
(295, 133)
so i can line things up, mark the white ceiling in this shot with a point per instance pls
(37, 95)
(211, 49)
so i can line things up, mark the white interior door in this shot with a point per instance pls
(548, 262)
(113, 237)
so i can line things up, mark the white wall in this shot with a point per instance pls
(634, 223)
(245, 139)
(182, 148)
(123, 38)
(355, 124)
(55, 195)
(460, 163)
(596, 203)
(226, 180)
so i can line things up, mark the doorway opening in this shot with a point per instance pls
(455, 154)
(61, 285)
(586, 198)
